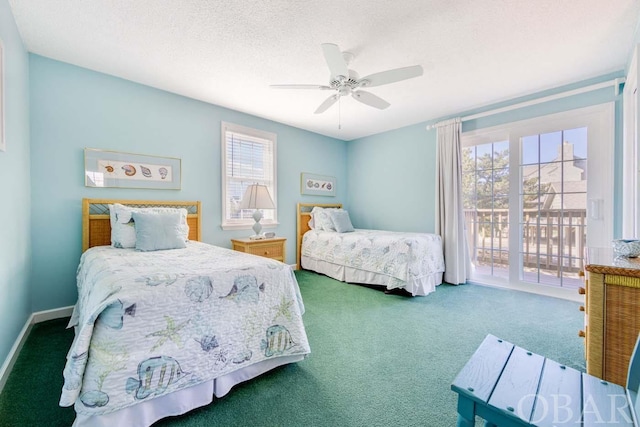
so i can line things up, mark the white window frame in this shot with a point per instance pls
(600, 121)
(247, 223)
(631, 152)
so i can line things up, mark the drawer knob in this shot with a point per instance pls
(581, 308)
(581, 334)
(581, 290)
(266, 252)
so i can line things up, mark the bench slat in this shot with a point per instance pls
(479, 375)
(559, 400)
(604, 403)
(515, 392)
(634, 400)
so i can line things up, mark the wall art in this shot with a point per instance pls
(317, 185)
(126, 170)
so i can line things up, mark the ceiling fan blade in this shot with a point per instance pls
(370, 99)
(335, 61)
(321, 87)
(327, 103)
(391, 76)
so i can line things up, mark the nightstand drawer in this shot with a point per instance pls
(270, 251)
(269, 248)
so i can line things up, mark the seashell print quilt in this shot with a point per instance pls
(401, 256)
(150, 323)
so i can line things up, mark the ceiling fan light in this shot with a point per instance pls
(344, 90)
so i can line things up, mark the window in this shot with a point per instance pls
(248, 157)
(485, 185)
(528, 188)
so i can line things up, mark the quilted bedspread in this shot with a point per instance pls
(399, 255)
(150, 323)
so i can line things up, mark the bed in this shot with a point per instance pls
(161, 332)
(413, 262)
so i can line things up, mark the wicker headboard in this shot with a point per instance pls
(96, 227)
(303, 217)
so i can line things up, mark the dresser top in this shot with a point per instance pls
(604, 261)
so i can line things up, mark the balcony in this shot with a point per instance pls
(552, 244)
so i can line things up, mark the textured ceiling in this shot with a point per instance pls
(227, 53)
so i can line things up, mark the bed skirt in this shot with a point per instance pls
(420, 286)
(180, 402)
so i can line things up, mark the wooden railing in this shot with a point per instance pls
(552, 240)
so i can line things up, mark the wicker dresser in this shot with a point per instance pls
(612, 313)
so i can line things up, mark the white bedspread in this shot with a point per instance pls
(150, 323)
(402, 258)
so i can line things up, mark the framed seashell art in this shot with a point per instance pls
(104, 168)
(317, 185)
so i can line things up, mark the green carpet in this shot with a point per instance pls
(376, 359)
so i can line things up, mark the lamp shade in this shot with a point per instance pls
(257, 197)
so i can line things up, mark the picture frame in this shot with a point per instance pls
(103, 168)
(317, 185)
(3, 141)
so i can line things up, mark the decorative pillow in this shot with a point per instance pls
(158, 230)
(123, 233)
(341, 221)
(321, 218)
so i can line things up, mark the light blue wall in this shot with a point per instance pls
(391, 175)
(73, 108)
(15, 185)
(391, 180)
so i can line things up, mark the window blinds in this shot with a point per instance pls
(249, 160)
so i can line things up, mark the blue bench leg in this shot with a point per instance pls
(466, 412)
(463, 422)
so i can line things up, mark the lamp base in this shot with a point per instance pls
(257, 227)
(257, 237)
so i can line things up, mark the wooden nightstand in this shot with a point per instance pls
(268, 248)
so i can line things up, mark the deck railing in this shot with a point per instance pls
(552, 240)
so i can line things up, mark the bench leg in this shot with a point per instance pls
(463, 422)
(488, 424)
(466, 412)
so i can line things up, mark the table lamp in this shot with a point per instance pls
(257, 197)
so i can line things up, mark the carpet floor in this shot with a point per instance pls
(376, 359)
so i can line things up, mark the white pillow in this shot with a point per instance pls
(123, 232)
(123, 235)
(321, 219)
(341, 221)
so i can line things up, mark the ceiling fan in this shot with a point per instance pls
(347, 82)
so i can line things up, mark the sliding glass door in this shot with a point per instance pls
(535, 194)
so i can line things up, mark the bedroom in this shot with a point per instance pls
(54, 109)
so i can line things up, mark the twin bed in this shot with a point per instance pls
(164, 323)
(413, 262)
(161, 332)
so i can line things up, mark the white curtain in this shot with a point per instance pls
(449, 213)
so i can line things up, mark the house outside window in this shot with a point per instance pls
(248, 157)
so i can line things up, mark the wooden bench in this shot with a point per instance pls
(509, 386)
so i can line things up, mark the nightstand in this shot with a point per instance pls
(269, 248)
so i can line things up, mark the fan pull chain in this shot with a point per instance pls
(339, 113)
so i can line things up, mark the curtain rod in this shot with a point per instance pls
(615, 82)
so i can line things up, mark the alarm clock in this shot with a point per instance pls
(270, 235)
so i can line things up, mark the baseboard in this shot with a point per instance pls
(40, 316)
(56, 313)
